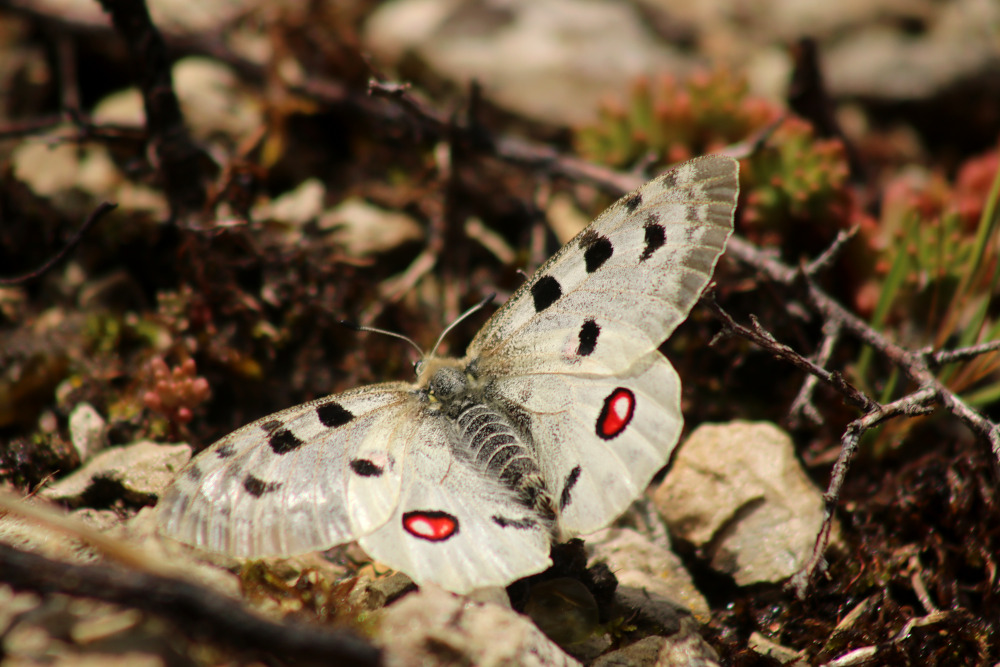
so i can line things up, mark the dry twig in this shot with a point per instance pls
(916, 365)
(91, 220)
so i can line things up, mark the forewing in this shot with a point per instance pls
(302, 479)
(600, 438)
(454, 526)
(619, 288)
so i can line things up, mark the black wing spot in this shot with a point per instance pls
(332, 415)
(194, 474)
(257, 487)
(283, 441)
(546, 291)
(656, 237)
(598, 250)
(366, 468)
(588, 338)
(225, 451)
(669, 180)
(633, 202)
(506, 522)
(271, 425)
(571, 479)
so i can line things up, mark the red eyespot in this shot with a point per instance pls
(617, 412)
(433, 526)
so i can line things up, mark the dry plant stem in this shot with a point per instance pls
(91, 220)
(400, 93)
(864, 655)
(802, 406)
(913, 364)
(199, 612)
(919, 587)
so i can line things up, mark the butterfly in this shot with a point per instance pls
(552, 424)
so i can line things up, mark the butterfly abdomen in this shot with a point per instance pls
(500, 452)
(489, 439)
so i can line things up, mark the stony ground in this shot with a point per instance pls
(278, 167)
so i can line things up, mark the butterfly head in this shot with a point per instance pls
(444, 377)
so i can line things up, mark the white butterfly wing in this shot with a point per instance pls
(573, 352)
(281, 485)
(454, 526)
(621, 287)
(374, 464)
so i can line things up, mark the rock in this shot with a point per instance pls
(679, 643)
(877, 61)
(564, 610)
(551, 60)
(639, 562)
(738, 493)
(643, 652)
(431, 627)
(87, 430)
(363, 229)
(136, 472)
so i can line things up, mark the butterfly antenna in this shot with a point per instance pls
(357, 327)
(475, 309)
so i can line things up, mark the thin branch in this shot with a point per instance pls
(91, 220)
(400, 93)
(913, 364)
(942, 357)
(826, 259)
(763, 339)
(908, 406)
(802, 407)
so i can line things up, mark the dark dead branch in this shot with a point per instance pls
(802, 408)
(756, 334)
(915, 364)
(179, 160)
(942, 357)
(198, 612)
